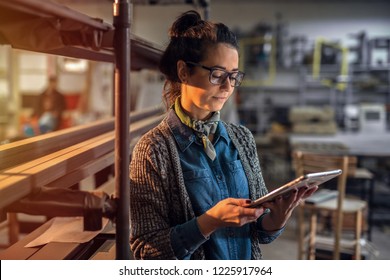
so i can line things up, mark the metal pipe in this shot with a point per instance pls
(121, 12)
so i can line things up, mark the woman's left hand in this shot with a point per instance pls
(282, 207)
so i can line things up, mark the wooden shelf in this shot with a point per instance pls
(76, 35)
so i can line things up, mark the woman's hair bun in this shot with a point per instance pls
(184, 22)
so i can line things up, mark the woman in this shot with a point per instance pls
(193, 176)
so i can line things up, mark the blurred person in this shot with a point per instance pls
(50, 107)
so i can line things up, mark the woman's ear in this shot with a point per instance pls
(182, 71)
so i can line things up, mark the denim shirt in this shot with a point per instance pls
(208, 182)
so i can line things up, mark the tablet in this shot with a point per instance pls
(310, 180)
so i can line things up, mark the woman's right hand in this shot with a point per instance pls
(230, 212)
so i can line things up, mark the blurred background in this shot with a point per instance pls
(317, 74)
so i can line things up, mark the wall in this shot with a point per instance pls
(333, 21)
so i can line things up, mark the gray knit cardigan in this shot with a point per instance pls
(158, 197)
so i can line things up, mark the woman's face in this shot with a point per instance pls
(199, 97)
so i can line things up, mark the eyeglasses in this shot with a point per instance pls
(218, 76)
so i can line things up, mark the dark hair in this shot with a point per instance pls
(190, 38)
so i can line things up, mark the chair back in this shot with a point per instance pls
(307, 162)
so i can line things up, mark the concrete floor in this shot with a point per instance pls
(286, 246)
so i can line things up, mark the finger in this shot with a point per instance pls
(279, 202)
(239, 201)
(294, 199)
(253, 213)
(246, 203)
(271, 203)
(290, 198)
(302, 190)
(309, 192)
(293, 195)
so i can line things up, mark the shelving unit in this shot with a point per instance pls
(48, 27)
(302, 90)
(373, 82)
(292, 87)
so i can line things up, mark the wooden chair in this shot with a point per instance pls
(361, 177)
(305, 162)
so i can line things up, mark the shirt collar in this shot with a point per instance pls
(184, 136)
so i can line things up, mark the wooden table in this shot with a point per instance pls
(358, 144)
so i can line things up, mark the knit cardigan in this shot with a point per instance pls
(158, 196)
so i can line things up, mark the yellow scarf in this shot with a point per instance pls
(202, 128)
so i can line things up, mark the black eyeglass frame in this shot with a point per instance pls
(237, 83)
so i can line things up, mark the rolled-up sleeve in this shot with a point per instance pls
(186, 238)
(266, 236)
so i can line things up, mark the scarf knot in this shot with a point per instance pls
(202, 128)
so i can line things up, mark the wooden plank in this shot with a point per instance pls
(83, 172)
(31, 148)
(17, 251)
(21, 180)
(140, 127)
(19, 185)
(56, 251)
(21, 169)
(50, 251)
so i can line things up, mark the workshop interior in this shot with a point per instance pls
(316, 96)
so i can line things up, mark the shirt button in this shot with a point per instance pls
(219, 177)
